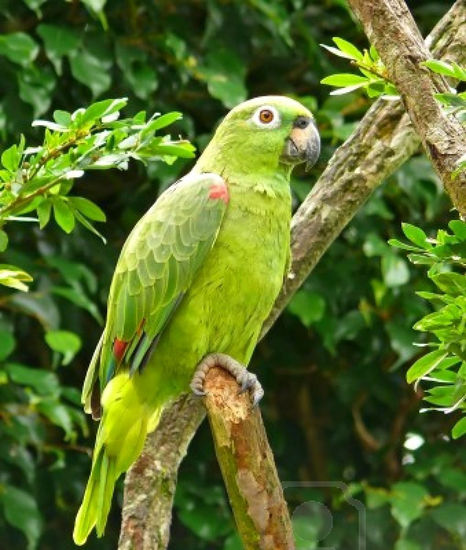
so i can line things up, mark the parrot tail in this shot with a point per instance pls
(120, 438)
(97, 498)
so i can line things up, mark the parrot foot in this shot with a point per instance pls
(246, 380)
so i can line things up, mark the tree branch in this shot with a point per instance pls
(391, 28)
(381, 143)
(151, 482)
(247, 465)
(383, 140)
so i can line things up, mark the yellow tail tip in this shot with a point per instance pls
(82, 527)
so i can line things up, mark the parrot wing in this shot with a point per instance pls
(156, 267)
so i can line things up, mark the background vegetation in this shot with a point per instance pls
(337, 406)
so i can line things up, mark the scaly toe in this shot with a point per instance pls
(197, 387)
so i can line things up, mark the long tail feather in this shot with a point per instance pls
(97, 499)
(120, 439)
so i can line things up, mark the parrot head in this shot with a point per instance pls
(266, 132)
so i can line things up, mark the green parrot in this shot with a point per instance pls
(195, 280)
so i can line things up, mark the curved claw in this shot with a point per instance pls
(246, 380)
(257, 395)
(197, 392)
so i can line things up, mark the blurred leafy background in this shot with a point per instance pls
(337, 406)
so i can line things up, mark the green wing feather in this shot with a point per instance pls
(156, 267)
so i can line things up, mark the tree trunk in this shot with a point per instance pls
(391, 28)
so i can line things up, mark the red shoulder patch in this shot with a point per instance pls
(219, 191)
(119, 348)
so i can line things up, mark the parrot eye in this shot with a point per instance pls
(266, 117)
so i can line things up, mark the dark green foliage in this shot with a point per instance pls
(337, 405)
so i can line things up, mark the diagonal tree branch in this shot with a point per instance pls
(391, 28)
(381, 143)
(383, 140)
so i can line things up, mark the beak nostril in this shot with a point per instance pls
(301, 122)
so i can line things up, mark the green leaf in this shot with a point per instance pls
(452, 517)
(90, 71)
(11, 158)
(344, 79)
(405, 544)
(451, 100)
(103, 108)
(416, 235)
(42, 381)
(162, 122)
(401, 340)
(425, 364)
(459, 429)
(39, 305)
(79, 299)
(348, 48)
(65, 342)
(59, 41)
(136, 70)
(7, 344)
(336, 51)
(180, 150)
(84, 221)
(63, 215)
(63, 118)
(18, 47)
(44, 210)
(408, 500)
(88, 208)
(225, 75)
(459, 229)
(22, 512)
(233, 542)
(35, 88)
(14, 277)
(58, 414)
(3, 241)
(205, 520)
(421, 259)
(95, 5)
(308, 306)
(35, 5)
(395, 270)
(375, 246)
(451, 283)
(440, 67)
(399, 244)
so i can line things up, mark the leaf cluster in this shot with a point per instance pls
(39, 179)
(373, 78)
(444, 368)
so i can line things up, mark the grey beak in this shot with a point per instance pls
(303, 143)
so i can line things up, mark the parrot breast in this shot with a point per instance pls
(231, 295)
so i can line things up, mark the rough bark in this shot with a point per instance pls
(247, 465)
(383, 140)
(391, 28)
(151, 482)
